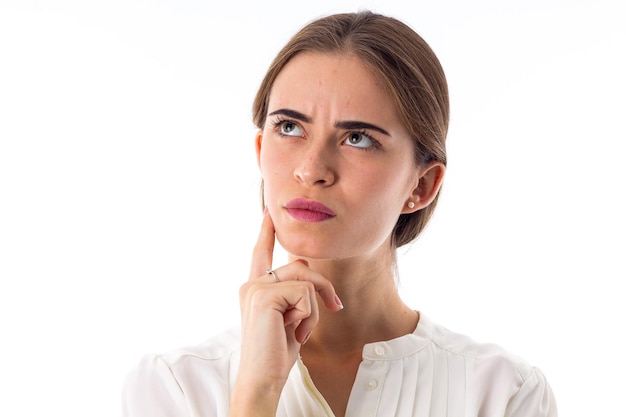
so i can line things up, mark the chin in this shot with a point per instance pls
(307, 248)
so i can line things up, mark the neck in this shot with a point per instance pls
(373, 310)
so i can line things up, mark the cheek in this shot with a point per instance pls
(272, 169)
(272, 157)
(274, 173)
(386, 194)
(386, 187)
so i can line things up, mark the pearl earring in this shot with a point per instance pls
(411, 204)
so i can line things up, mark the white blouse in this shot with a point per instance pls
(429, 373)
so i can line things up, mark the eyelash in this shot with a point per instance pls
(279, 121)
(375, 144)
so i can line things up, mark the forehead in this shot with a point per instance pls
(338, 83)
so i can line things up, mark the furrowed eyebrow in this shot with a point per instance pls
(292, 114)
(344, 124)
(356, 125)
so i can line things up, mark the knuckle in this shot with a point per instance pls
(243, 291)
(305, 287)
(248, 289)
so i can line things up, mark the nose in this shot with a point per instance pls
(315, 168)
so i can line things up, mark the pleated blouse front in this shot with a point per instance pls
(430, 373)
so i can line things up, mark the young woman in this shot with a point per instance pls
(352, 119)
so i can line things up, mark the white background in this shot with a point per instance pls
(129, 188)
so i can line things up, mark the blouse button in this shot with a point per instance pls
(379, 350)
(372, 384)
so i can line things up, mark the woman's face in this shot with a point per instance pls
(338, 165)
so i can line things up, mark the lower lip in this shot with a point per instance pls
(308, 215)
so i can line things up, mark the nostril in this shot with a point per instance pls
(315, 168)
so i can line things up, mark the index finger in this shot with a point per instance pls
(263, 252)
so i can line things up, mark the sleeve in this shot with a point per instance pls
(151, 390)
(534, 398)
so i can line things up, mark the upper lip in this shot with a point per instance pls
(311, 205)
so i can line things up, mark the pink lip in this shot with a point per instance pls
(308, 210)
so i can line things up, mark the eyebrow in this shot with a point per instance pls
(357, 125)
(342, 124)
(292, 114)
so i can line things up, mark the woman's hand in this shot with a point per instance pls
(277, 318)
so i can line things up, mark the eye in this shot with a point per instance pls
(360, 140)
(289, 128)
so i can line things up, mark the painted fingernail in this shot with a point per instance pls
(338, 301)
(306, 339)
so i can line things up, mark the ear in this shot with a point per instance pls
(430, 179)
(257, 143)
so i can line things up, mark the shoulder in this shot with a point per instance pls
(166, 383)
(489, 356)
(215, 355)
(497, 380)
(215, 352)
(217, 348)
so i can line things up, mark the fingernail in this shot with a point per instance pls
(338, 302)
(306, 339)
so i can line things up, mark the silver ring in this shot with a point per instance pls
(272, 273)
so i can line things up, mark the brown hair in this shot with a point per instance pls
(407, 66)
